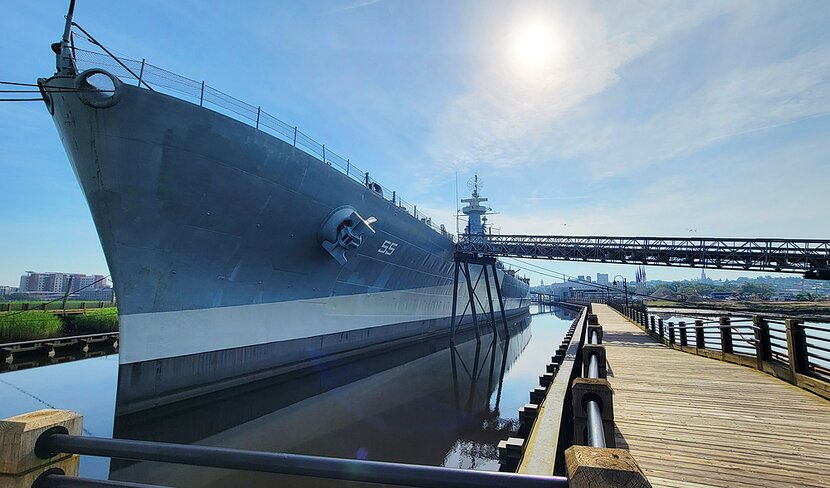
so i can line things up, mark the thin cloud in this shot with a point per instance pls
(354, 5)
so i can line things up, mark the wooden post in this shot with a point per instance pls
(19, 466)
(683, 337)
(653, 322)
(796, 346)
(726, 335)
(763, 346)
(590, 467)
(671, 332)
(660, 328)
(700, 337)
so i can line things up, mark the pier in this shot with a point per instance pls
(690, 420)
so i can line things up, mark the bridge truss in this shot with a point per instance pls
(810, 257)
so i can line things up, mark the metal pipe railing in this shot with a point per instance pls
(52, 443)
(596, 433)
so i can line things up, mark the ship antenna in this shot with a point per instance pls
(457, 205)
(64, 62)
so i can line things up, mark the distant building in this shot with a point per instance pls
(602, 279)
(7, 290)
(52, 284)
(95, 294)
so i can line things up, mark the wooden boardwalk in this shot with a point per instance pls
(691, 421)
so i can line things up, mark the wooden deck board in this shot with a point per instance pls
(691, 421)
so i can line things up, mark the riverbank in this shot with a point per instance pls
(794, 309)
(37, 324)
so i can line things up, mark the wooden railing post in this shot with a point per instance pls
(653, 322)
(796, 346)
(660, 328)
(763, 346)
(683, 337)
(700, 337)
(671, 332)
(19, 466)
(726, 335)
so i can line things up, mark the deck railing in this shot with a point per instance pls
(143, 74)
(788, 348)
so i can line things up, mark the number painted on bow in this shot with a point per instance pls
(387, 248)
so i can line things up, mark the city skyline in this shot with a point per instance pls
(664, 119)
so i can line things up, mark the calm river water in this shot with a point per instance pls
(427, 403)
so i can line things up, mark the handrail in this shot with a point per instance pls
(55, 441)
(596, 434)
(183, 88)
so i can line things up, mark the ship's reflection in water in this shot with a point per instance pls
(424, 403)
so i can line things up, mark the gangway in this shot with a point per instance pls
(809, 257)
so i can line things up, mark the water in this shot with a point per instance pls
(426, 403)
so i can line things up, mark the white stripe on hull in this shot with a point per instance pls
(160, 335)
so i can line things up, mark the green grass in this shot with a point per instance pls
(93, 321)
(26, 326)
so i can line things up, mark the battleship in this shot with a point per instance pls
(234, 252)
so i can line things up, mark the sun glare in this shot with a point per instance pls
(533, 46)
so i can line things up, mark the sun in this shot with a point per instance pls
(532, 45)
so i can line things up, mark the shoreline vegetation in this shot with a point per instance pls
(793, 309)
(18, 326)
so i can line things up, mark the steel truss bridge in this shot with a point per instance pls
(809, 257)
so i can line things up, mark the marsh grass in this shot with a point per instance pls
(25, 326)
(93, 321)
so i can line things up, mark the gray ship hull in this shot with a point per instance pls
(211, 230)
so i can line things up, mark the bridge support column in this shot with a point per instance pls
(19, 466)
(591, 467)
(488, 266)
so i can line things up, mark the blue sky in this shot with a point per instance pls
(624, 118)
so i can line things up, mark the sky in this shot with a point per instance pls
(582, 118)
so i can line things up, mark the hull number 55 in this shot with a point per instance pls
(388, 247)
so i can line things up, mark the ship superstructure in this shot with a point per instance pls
(234, 252)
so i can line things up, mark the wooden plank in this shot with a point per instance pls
(691, 421)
